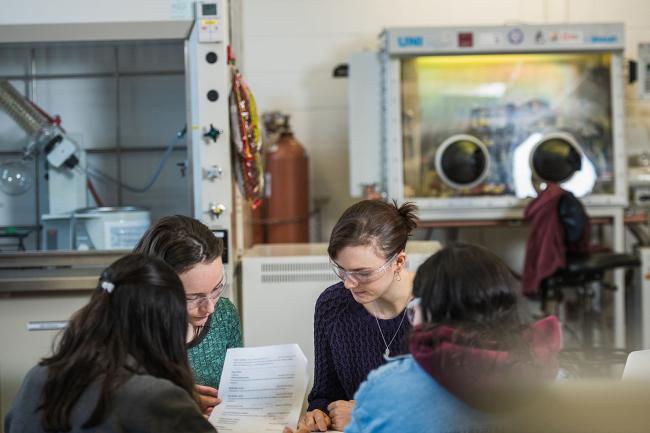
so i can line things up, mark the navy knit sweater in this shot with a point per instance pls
(348, 345)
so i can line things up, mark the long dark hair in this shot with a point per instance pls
(477, 340)
(466, 286)
(135, 322)
(181, 242)
(373, 222)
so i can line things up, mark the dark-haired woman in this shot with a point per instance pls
(472, 343)
(194, 252)
(361, 320)
(121, 364)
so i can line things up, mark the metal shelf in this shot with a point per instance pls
(27, 77)
(35, 272)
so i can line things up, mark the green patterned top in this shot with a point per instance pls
(207, 353)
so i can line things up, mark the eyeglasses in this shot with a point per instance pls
(361, 277)
(412, 308)
(196, 301)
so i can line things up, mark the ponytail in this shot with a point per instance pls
(408, 212)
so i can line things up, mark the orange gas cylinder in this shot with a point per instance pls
(287, 191)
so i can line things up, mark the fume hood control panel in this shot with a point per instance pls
(211, 19)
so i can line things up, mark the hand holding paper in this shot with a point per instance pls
(261, 389)
(208, 398)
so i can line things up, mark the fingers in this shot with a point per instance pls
(208, 398)
(206, 390)
(315, 420)
(339, 412)
(299, 430)
(208, 401)
(322, 421)
(307, 421)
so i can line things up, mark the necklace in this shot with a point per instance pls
(387, 351)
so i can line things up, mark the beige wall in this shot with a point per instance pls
(292, 46)
(83, 11)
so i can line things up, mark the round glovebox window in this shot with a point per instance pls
(462, 161)
(556, 158)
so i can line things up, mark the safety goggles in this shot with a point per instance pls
(363, 276)
(197, 300)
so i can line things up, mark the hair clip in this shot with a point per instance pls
(108, 286)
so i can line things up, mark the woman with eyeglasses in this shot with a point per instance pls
(194, 252)
(360, 321)
(121, 363)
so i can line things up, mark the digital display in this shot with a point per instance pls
(209, 9)
(223, 235)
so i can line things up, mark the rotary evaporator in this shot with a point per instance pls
(67, 223)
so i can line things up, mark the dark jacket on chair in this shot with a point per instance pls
(558, 224)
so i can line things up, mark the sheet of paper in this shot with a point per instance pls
(261, 389)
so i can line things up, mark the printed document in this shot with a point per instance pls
(261, 390)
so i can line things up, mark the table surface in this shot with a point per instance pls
(635, 218)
